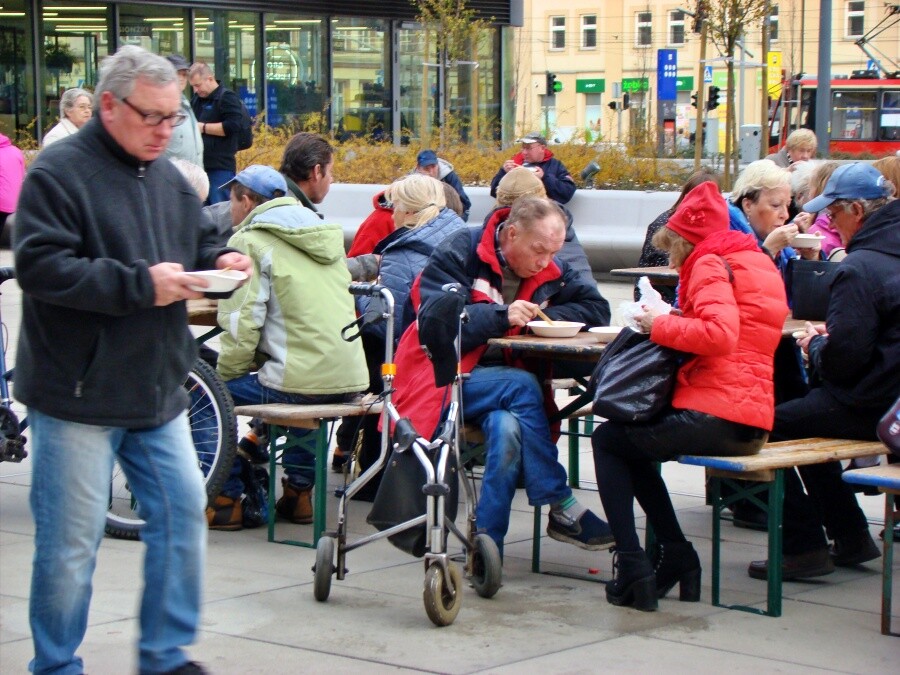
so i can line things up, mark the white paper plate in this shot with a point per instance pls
(559, 329)
(220, 281)
(806, 240)
(605, 333)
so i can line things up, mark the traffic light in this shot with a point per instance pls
(613, 105)
(713, 101)
(625, 102)
(694, 99)
(554, 86)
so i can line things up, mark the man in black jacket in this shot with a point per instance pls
(218, 112)
(535, 156)
(104, 349)
(856, 359)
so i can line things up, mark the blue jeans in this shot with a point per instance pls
(299, 461)
(71, 470)
(218, 178)
(508, 404)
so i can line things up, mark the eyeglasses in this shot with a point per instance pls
(155, 119)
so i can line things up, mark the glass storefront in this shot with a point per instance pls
(278, 60)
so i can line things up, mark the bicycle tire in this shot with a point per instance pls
(214, 431)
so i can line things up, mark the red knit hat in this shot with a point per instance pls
(702, 212)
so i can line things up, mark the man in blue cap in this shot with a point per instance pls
(855, 356)
(430, 164)
(288, 321)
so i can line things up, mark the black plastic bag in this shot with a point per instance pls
(809, 287)
(634, 379)
(255, 503)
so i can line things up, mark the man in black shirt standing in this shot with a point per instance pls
(218, 112)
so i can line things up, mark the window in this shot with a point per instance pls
(856, 11)
(593, 111)
(557, 32)
(644, 37)
(773, 23)
(589, 31)
(889, 126)
(676, 27)
(853, 115)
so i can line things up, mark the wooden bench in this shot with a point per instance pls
(768, 467)
(315, 416)
(887, 480)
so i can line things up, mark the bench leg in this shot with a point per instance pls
(888, 565)
(536, 542)
(716, 488)
(321, 485)
(274, 433)
(776, 539)
(574, 438)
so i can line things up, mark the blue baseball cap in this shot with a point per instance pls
(426, 158)
(263, 180)
(850, 181)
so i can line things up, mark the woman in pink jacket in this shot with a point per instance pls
(12, 173)
(733, 308)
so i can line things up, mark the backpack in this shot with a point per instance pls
(245, 134)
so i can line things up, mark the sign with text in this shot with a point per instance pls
(773, 75)
(635, 84)
(667, 74)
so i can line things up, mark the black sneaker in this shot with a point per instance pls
(855, 550)
(588, 532)
(189, 668)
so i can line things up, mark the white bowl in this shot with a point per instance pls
(220, 281)
(605, 333)
(559, 329)
(806, 240)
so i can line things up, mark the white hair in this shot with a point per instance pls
(194, 175)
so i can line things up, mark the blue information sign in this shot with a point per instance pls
(667, 74)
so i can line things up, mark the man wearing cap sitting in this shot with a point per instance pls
(430, 164)
(856, 358)
(186, 142)
(287, 321)
(505, 272)
(535, 156)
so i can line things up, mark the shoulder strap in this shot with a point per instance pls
(728, 269)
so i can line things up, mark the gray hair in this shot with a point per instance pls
(119, 72)
(194, 175)
(67, 100)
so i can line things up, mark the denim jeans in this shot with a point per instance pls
(299, 461)
(71, 470)
(218, 178)
(508, 404)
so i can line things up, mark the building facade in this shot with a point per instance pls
(354, 67)
(599, 52)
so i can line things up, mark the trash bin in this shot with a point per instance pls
(751, 142)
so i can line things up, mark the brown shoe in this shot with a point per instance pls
(295, 504)
(225, 514)
(815, 563)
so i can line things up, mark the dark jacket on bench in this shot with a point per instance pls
(859, 360)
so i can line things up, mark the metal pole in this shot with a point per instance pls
(823, 88)
(764, 127)
(701, 104)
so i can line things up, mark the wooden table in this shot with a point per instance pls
(202, 312)
(582, 347)
(665, 276)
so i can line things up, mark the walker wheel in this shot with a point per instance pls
(443, 597)
(324, 568)
(487, 568)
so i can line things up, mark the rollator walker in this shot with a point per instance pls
(438, 460)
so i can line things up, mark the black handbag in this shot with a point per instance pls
(808, 285)
(634, 379)
(889, 428)
(400, 498)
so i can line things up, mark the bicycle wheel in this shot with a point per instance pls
(214, 431)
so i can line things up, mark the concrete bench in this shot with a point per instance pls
(315, 416)
(887, 480)
(767, 468)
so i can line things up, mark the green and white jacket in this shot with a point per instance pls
(288, 317)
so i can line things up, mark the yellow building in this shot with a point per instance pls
(599, 51)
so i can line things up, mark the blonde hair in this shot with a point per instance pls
(890, 169)
(763, 174)
(674, 244)
(418, 194)
(801, 139)
(195, 176)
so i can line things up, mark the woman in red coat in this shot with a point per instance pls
(733, 309)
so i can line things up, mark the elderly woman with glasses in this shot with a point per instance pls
(75, 108)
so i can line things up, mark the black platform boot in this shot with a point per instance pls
(633, 584)
(677, 563)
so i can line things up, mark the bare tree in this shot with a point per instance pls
(728, 21)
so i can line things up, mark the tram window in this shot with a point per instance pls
(890, 116)
(853, 115)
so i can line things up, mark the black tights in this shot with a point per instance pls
(625, 458)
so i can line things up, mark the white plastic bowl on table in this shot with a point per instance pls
(559, 329)
(806, 240)
(605, 333)
(220, 281)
